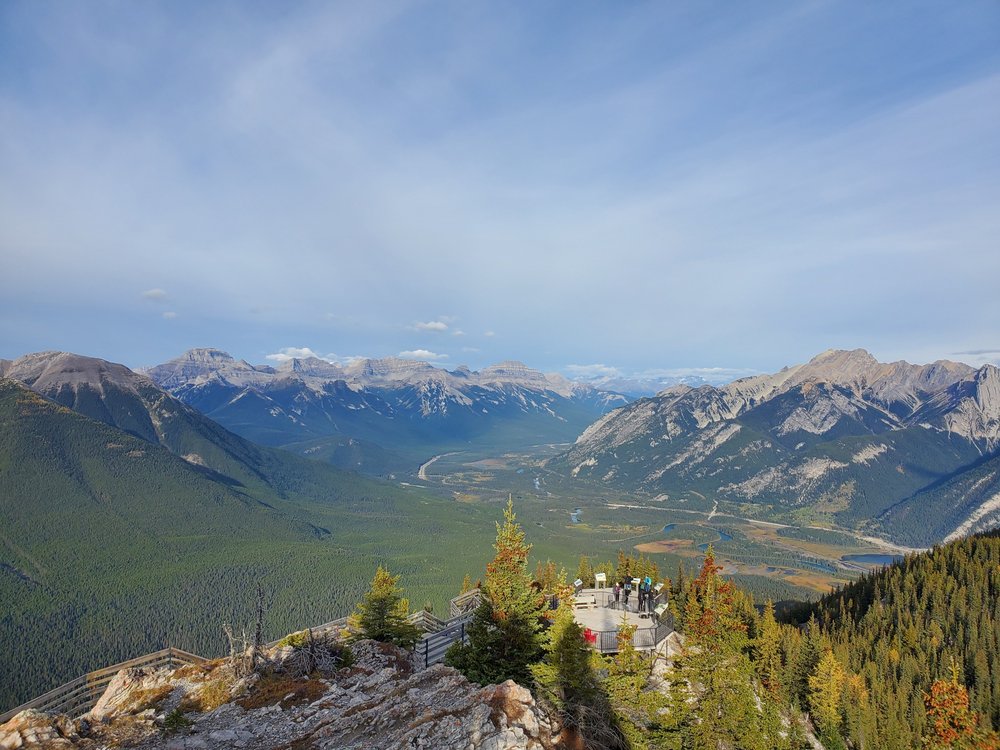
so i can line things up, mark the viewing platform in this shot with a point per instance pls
(596, 611)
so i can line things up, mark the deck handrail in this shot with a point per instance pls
(84, 691)
(77, 696)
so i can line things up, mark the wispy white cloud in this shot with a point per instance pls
(432, 325)
(652, 378)
(304, 352)
(593, 371)
(294, 352)
(977, 352)
(422, 354)
(169, 315)
(155, 295)
(979, 357)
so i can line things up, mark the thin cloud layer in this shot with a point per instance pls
(422, 354)
(667, 187)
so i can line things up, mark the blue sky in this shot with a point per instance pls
(634, 187)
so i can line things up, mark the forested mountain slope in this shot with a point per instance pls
(904, 626)
(112, 545)
(115, 395)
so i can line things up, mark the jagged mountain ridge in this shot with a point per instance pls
(391, 403)
(842, 432)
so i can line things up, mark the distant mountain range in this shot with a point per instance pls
(379, 414)
(639, 386)
(905, 450)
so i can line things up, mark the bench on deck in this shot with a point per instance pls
(585, 602)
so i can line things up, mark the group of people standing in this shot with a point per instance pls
(623, 590)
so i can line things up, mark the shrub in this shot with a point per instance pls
(175, 721)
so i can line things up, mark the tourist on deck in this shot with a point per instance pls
(642, 597)
(618, 593)
(628, 591)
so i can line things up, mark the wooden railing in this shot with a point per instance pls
(433, 646)
(463, 604)
(78, 696)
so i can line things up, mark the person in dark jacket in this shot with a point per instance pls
(618, 593)
(628, 591)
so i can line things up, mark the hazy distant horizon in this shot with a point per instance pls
(713, 375)
(583, 188)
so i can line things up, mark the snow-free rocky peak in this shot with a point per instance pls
(49, 373)
(842, 429)
(200, 365)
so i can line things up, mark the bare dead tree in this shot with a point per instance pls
(258, 631)
(246, 652)
(240, 651)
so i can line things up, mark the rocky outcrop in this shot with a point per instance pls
(378, 702)
(34, 729)
(842, 431)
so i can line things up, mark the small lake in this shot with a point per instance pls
(872, 559)
(723, 537)
(669, 527)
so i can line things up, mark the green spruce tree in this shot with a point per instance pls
(504, 636)
(717, 666)
(381, 614)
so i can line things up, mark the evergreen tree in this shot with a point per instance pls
(767, 651)
(646, 718)
(547, 575)
(504, 636)
(585, 572)
(716, 664)
(381, 614)
(567, 680)
(767, 663)
(826, 687)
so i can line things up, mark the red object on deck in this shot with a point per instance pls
(590, 636)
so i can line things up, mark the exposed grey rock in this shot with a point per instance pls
(379, 702)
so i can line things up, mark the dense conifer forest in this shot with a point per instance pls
(898, 630)
(906, 657)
